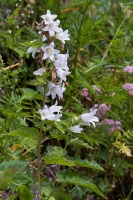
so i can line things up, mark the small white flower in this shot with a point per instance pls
(76, 129)
(63, 35)
(39, 72)
(55, 108)
(62, 57)
(44, 38)
(62, 74)
(48, 113)
(88, 118)
(52, 27)
(33, 51)
(49, 52)
(48, 18)
(60, 64)
(55, 90)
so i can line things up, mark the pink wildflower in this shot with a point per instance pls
(95, 87)
(101, 110)
(114, 125)
(128, 69)
(128, 87)
(84, 92)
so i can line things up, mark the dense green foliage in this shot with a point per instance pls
(95, 164)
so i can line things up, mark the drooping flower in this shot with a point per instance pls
(48, 113)
(89, 118)
(128, 87)
(128, 69)
(48, 18)
(76, 129)
(63, 35)
(33, 51)
(39, 72)
(59, 64)
(49, 52)
(62, 74)
(62, 57)
(55, 90)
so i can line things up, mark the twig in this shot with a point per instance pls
(11, 66)
(36, 169)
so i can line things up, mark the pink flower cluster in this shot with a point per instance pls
(128, 69)
(84, 92)
(101, 110)
(114, 125)
(128, 87)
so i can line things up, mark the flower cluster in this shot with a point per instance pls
(101, 110)
(128, 69)
(128, 87)
(86, 119)
(84, 92)
(114, 125)
(52, 34)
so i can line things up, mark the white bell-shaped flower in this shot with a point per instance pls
(49, 52)
(76, 129)
(89, 118)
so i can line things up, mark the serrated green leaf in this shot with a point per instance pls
(25, 132)
(80, 143)
(57, 152)
(12, 164)
(89, 164)
(25, 193)
(20, 178)
(58, 156)
(6, 177)
(59, 161)
(78, 179)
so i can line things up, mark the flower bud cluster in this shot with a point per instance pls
(52, 35)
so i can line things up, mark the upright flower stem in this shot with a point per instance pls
(39, 143)
(40, 137)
